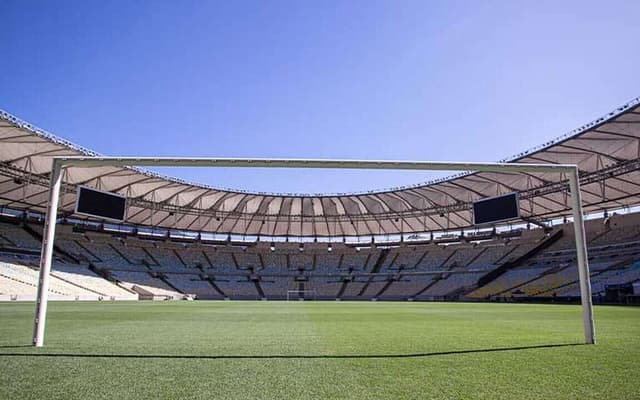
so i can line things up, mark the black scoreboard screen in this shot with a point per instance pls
(99, 204)
(496, 209)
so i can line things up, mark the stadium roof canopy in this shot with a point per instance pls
(607, 152)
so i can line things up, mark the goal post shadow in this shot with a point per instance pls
(80, 161)
(287, 356)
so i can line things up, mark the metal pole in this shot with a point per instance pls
(46, 254)
(583, 261)
(83, 161)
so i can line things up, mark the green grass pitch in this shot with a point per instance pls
(318, 350)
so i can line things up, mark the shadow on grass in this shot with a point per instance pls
(284, 356)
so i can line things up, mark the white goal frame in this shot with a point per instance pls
(81, 161)
(304, 292)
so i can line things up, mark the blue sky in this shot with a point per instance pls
(415, 80)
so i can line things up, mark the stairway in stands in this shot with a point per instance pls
(179, 257)
(343, 287)
(436, 278)
(88, 251)
(58, 250)
(384, 289)
(216, 287)
(376, 268)
(509, 265)
(166, 281)
(259, 289)
(121, 254)
(103, 273)
(210, 280)
(151, 257)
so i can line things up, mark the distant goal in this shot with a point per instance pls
(301, 295)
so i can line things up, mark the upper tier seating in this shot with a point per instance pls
(358, 261)
(327, 263)
(15, 236)
(193, 256)
(274, 263)
(402, 258)
(248, 260)
(435, 258)
(300, 261)
(222, 261)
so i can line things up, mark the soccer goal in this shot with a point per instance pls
(301, 295)
(569, 170)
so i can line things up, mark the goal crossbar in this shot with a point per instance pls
(58, 163)
(304, 293)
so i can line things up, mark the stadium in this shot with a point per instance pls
(183, 241)
(513, 279)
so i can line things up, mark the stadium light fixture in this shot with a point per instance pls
(55, 184)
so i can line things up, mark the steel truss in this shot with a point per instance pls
(600, 175)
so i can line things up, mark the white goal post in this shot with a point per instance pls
(80, 161)
(306, 294)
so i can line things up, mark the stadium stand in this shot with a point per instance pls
(412, 243)
(15, 236)
(94, 265)
(145, 284)
(83, 277)
(193, 285)
(20, 281)
(237, 287)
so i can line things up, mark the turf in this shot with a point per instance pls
(318, 350)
